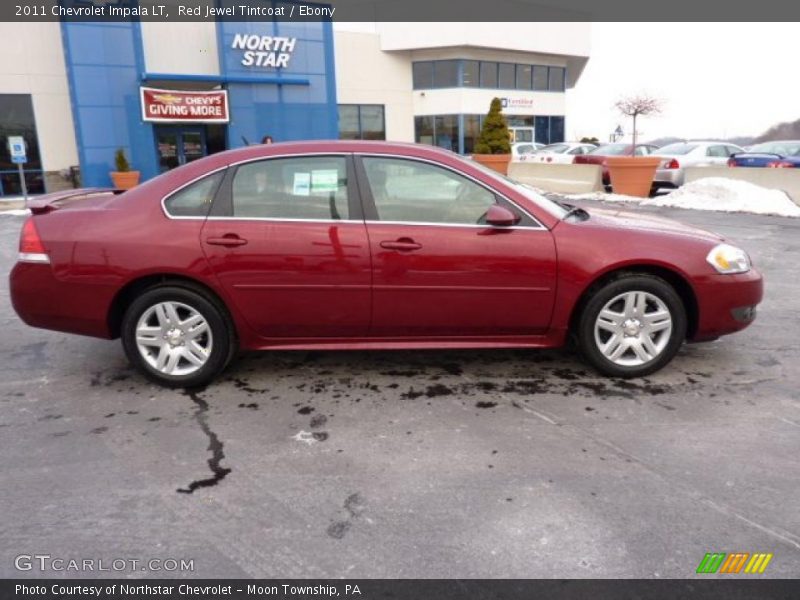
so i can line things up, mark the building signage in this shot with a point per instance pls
(517, 102)
(264, 50)
(170, 106)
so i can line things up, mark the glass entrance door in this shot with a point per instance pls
(177, 146)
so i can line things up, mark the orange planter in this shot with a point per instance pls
(632, 175)
(125, 180)
(496, 162)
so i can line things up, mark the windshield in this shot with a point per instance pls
(782, 148)
(552, 207)
(677, 149)
(612, 150)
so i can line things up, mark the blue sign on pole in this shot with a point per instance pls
(19, 160)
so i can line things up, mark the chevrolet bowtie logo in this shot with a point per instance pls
(720, 562)
(167, 98)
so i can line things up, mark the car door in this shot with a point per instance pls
(438, 269)
(287, 242)
(717, 155)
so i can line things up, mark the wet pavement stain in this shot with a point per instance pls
(318, 421)
(99, 430)
(306, 410)
(215, 446)
(485, 404)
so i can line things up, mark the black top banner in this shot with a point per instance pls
(493, 11)
(403, 589)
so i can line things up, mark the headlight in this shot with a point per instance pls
(729, 259)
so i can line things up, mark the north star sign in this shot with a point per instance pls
(264, 50)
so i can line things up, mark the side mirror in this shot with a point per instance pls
(500, 216)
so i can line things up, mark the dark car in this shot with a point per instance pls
(769, 154)
(600, 155)
(367, 245)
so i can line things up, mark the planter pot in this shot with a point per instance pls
(632, 175)
(125, 180)
(497, 162)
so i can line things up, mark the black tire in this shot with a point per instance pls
(631, 282)
(222, 351)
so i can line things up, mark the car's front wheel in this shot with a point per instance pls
(632, 326)
(176, 336)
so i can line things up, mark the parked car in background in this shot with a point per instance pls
(562, 153)
(520, 150)
(357, 245)
(599, 156)
(671, 173)
(785, 154)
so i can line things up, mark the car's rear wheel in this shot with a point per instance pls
(176, 336)
(632, 326)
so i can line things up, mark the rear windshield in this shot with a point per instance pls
(612, 150)
(782, 148)
(677, 149)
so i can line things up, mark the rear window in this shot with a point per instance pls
(612, 150)
(677, 149)
(306, 188)
(195, 199)
(782, 148)
(556, 148)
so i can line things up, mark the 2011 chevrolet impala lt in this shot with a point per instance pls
(367, 245)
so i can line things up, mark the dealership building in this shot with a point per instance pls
(169, 93)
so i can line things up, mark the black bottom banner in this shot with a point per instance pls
(403, 589)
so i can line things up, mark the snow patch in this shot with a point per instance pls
(19, 212)
(728, 195)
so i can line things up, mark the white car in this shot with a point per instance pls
(671, 173)
(562, 153)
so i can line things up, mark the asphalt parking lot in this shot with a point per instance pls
(465, 464)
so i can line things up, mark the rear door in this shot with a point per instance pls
(438, 269)
(287, 241)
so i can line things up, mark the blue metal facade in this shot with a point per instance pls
(106, 66)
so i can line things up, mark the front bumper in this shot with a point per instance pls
(726, 303)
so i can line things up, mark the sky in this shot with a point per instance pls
(715, 79)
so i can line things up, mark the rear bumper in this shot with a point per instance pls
(727, 303)
(668, 178)
(41, 300)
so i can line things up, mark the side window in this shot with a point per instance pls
(194, 200)
(311, 188)
(411, 191)
(733, 150)
(718, 151)
(642, 150)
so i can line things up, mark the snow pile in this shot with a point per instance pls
(604, 196)
(15, 212)
(728, 195)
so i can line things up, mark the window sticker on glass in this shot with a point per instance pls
(302, 184)
(324, 181)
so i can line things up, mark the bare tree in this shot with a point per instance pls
(635, 106)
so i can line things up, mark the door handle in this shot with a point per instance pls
(229, 240)
(403, 245)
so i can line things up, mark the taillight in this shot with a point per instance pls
(31, 248)
(780, 164)
(731, 162)
(673, 164)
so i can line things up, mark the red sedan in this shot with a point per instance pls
(367, 245)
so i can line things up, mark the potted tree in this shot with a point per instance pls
(633, 175)
(123, 177)
(493, 147)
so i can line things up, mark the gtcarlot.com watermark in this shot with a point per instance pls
(48, 563)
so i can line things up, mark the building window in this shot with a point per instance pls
(16, 118)
(506, 78)
(472, 129)
(433, 74)
(423, 130)
(539, 79)
(460, 132)
(423, 75)
(556, 83)
(470, 76)
(362, 122)
(489, 75)
(445, 73)
(446, 132)
(524, 77)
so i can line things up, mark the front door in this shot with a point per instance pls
(438, 269)
(287, 242)
(178, 145)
